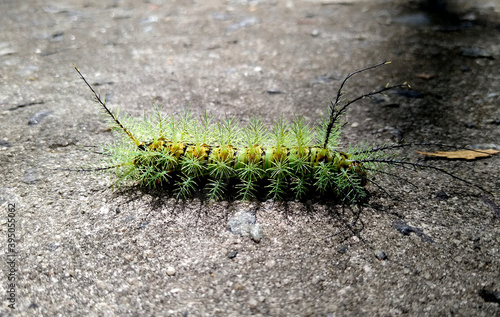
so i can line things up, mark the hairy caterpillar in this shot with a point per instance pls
(290, 160)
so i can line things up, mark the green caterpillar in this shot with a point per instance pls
(291, 160)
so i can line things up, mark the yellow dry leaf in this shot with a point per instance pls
(462, 154)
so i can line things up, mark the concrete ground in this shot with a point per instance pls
(84, 249)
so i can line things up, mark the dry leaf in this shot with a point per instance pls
(463, 154)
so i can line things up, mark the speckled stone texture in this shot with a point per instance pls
(87, 250)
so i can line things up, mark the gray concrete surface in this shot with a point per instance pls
(84, 249)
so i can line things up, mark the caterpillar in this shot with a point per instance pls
(185, 155)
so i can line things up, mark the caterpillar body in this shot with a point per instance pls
(291, 160)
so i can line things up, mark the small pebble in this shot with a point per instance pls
(238, 223)
(38, 117)
(5, 144)
(380, 255)
(142, 225)
(170, 271)
(441, 195)
(232, 254)
(270, 264)
(238, 287)
(256, 233)
(128, 257)
(252, 303)
(274, 91)
(342, 249)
